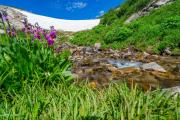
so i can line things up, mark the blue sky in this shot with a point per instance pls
(65, 9)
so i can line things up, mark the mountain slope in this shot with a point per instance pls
(46, 22)
(155, 32)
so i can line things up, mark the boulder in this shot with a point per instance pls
(146, 54)
(16, 17)
(88, 50)
(93, 85)
(173, 90)
(97, 45)
(177, 68)
(167, 51)
(153, 66)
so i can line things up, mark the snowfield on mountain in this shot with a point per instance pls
(60, 24)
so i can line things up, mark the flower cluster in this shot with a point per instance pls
(35, 31)
(11, 31)
(39, 33)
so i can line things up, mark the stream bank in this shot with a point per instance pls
(101, 67)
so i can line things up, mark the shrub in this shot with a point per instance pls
(99, 28)
(171, 23)
(176, 52)
(109, 18)
(117, 34)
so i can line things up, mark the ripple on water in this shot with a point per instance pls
(123, 63)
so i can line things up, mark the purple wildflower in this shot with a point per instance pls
(37, 35)
(8, 31)
(50, 41)
(53, 32)
(5, 18)
(13, 32)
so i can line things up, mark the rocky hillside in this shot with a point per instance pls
(155, 4)
(151, 25)
(15, 17)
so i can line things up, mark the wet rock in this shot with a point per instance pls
(177, 68)
(115, 71)
(123, 63)
(155, 56)
(89, 71)
(97, 45)
(173, 90)
(129, 52)
(93, 85)
(146, 54)
(88, 50)
(163, 75)
(167, 51)
(92, 65)
(149, 49)
(111, 50)
(129, 70)
(139, 57)
(153, 66)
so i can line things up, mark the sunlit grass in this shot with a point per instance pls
(81, 102)
(35, 84)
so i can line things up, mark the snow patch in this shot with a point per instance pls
(60, 24)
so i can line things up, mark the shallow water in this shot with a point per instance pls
(124, 63)
(106, 66)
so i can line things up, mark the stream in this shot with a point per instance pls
(101, 67)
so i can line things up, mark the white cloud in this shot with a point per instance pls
(75, 5)
(101, 13)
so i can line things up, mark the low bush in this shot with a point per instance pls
(118, 34)
(171, 23)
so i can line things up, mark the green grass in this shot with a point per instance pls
(158, 30)
(82, 103)
(36, 83)
(22, 60)
(123, 11)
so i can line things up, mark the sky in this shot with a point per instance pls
(65, 9)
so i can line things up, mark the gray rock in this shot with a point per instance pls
(153, 66)
(146, 54)
(146, 10)
(162, 2)
(173, 90)
(177, 69)
(15, 17)
(87, 50)
(97, 45)
(168, 51)
(133, 17)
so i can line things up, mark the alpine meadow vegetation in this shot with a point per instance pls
(158, 30)
(36, 82)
